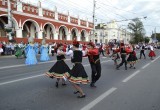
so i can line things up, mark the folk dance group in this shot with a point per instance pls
(77, 75)
(124, 51)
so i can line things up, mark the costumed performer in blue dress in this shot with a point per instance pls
(44, 51)
(30, 52)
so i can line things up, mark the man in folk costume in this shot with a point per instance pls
(77, 75)
(142, 49)
(123, 56)
(152, 53)
(93, 56)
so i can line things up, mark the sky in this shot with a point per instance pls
(107, 10)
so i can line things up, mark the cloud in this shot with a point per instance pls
(107, 10)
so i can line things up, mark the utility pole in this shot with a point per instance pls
(9, 14)
(94, 7)
(155, 38)
(9, 26)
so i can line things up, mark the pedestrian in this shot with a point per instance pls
(60, 67)
(94, 60)
(152, 53)
(123, 57)
(101, 51)
(44, 51)
(1, 49)
(142, 49)
(30, 53)
(77, 75)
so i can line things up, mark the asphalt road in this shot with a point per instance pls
(27, 88)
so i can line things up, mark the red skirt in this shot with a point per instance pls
(152, 54)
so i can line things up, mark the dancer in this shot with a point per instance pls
(142, 49)
(132, 59)
(152, 53)
(44, 51)
(123, 56)
(93, 56)
(59, 68)
(30, 53)
(78, 74)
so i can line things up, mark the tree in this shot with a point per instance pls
(146, 40)
(138, 31)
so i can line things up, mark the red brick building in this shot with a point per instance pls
(35, 21)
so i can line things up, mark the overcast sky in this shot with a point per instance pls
(107, 10)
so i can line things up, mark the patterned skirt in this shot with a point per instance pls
(58, 70)
(77, 75)
(152, 54)
(132, 59)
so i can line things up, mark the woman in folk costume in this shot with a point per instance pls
(115, 55)
(132, 59)
(44, 51)
(107, 47)
(30, 52)
(60, 67)
(152, 53)
(78, 74)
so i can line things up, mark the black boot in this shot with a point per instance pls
(92, 84)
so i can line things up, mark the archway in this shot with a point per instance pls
(74, 33)
(48, 31)
(63, 32)
(31, 28)
(83, 35)
(3, 22)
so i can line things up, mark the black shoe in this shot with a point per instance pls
(75, 92)
(56, 84)
(134, 68)
(117, 68)
(125, 68)
(92, 85)
(82, 96)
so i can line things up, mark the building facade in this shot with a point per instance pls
(111, 31)
(35, 21)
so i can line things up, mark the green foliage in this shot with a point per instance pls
(146, 40)
(138, 31)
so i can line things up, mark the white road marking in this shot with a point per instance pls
(4, 83)
(155, 59)
(8, 82)
(99, 99)
(146, 65)
(13, 66)
(131, 76)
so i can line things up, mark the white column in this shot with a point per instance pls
(40, 10)
(69, 37)
(79, 36)
(87, 37)
(56, 36)
(40, 35)
(19, 33)
(19, 6)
